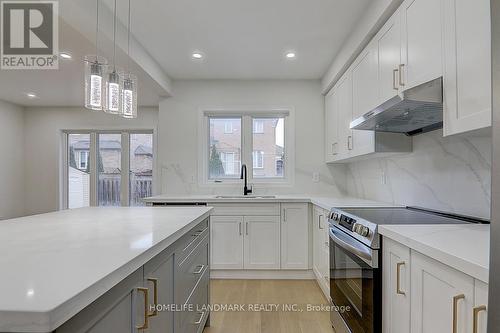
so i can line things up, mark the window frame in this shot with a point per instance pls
(93, 151)
(247, 115)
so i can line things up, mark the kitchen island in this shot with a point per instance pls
(55, 265)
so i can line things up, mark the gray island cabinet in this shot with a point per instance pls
(169, 293)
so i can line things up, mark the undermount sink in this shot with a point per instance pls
(245, 197)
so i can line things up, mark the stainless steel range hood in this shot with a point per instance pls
(414, 111)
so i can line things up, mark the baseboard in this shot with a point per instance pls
(263, 274)
(321, 283)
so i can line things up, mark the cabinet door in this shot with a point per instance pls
(121, 309)
(389, 58)
(331, 125)
(294, 236)
(358, 142)
(344, 102)
(396, 287)
(436, 291)
(317, 240)
(159, 279)
(262, 242)
(365, 81)
(480, 310)
(422, 50)
(467, 79)
(226, 242)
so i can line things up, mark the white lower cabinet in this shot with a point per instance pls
(441, 298)
(295, 236)
(396, 287)
(262, 239)
(261, 242)
(226, 242)
(321, 247)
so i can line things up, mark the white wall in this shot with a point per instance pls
(11, 160)
(43, 149)
(451, 174)
(178, 137)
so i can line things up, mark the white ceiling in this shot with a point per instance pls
(240, 40)
(243, 39)
(64, 87)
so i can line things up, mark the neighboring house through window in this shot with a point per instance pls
(83, 160)
(255, 139)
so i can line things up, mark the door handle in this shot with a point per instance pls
(246, 228)
(398, 278)
(394, 85)
(455, 310)
(319, 221)
(284, 214)
(401, 68)
(475, 318)
(145, 325)
(349, 142)
(239, 228)
(155, 297)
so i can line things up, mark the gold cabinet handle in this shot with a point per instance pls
(394, 85)
(455, 310)
(401, 68)
(155, 297)
(398, 278)
(199, 270)
(475, 318)
(145, 325)
(198, 322)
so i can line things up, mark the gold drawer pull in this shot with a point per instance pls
(475, 319)
(155, 297)
(145, 325)
(455, 310)
(198, 322)
(199, 270)
(398, 278)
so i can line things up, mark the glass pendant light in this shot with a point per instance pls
(114, 81)
(95, 68)
(129, 103)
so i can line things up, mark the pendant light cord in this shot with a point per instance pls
(128, 36)
(114, 39)
(97, 31)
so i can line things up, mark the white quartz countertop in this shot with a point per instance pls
(54, 265)
(323, 202)
(465, 247)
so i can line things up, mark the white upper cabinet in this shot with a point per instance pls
(467, 79)
(364, 80)
(389, 58)
(331, 125)
(344, 103)
(422, 51)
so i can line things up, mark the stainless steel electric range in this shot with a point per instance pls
(355, 261)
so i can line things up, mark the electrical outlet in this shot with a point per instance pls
(316, 177)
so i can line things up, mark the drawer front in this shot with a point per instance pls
(193, 321)
(187, 243)
(246, 209)
(189, 271)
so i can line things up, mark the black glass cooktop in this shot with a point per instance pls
(406, 216)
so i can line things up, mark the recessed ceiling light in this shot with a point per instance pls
(197, 55)
(31, 95)
(65, 55)
(290, 55)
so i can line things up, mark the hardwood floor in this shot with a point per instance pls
(257, 293)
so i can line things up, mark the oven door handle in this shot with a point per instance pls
(351, 245)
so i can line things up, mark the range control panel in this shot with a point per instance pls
(350, 224)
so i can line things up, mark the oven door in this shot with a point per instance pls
(355, 285)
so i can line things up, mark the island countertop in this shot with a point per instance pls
(54, 265)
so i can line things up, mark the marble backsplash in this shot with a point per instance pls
(451, 174)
